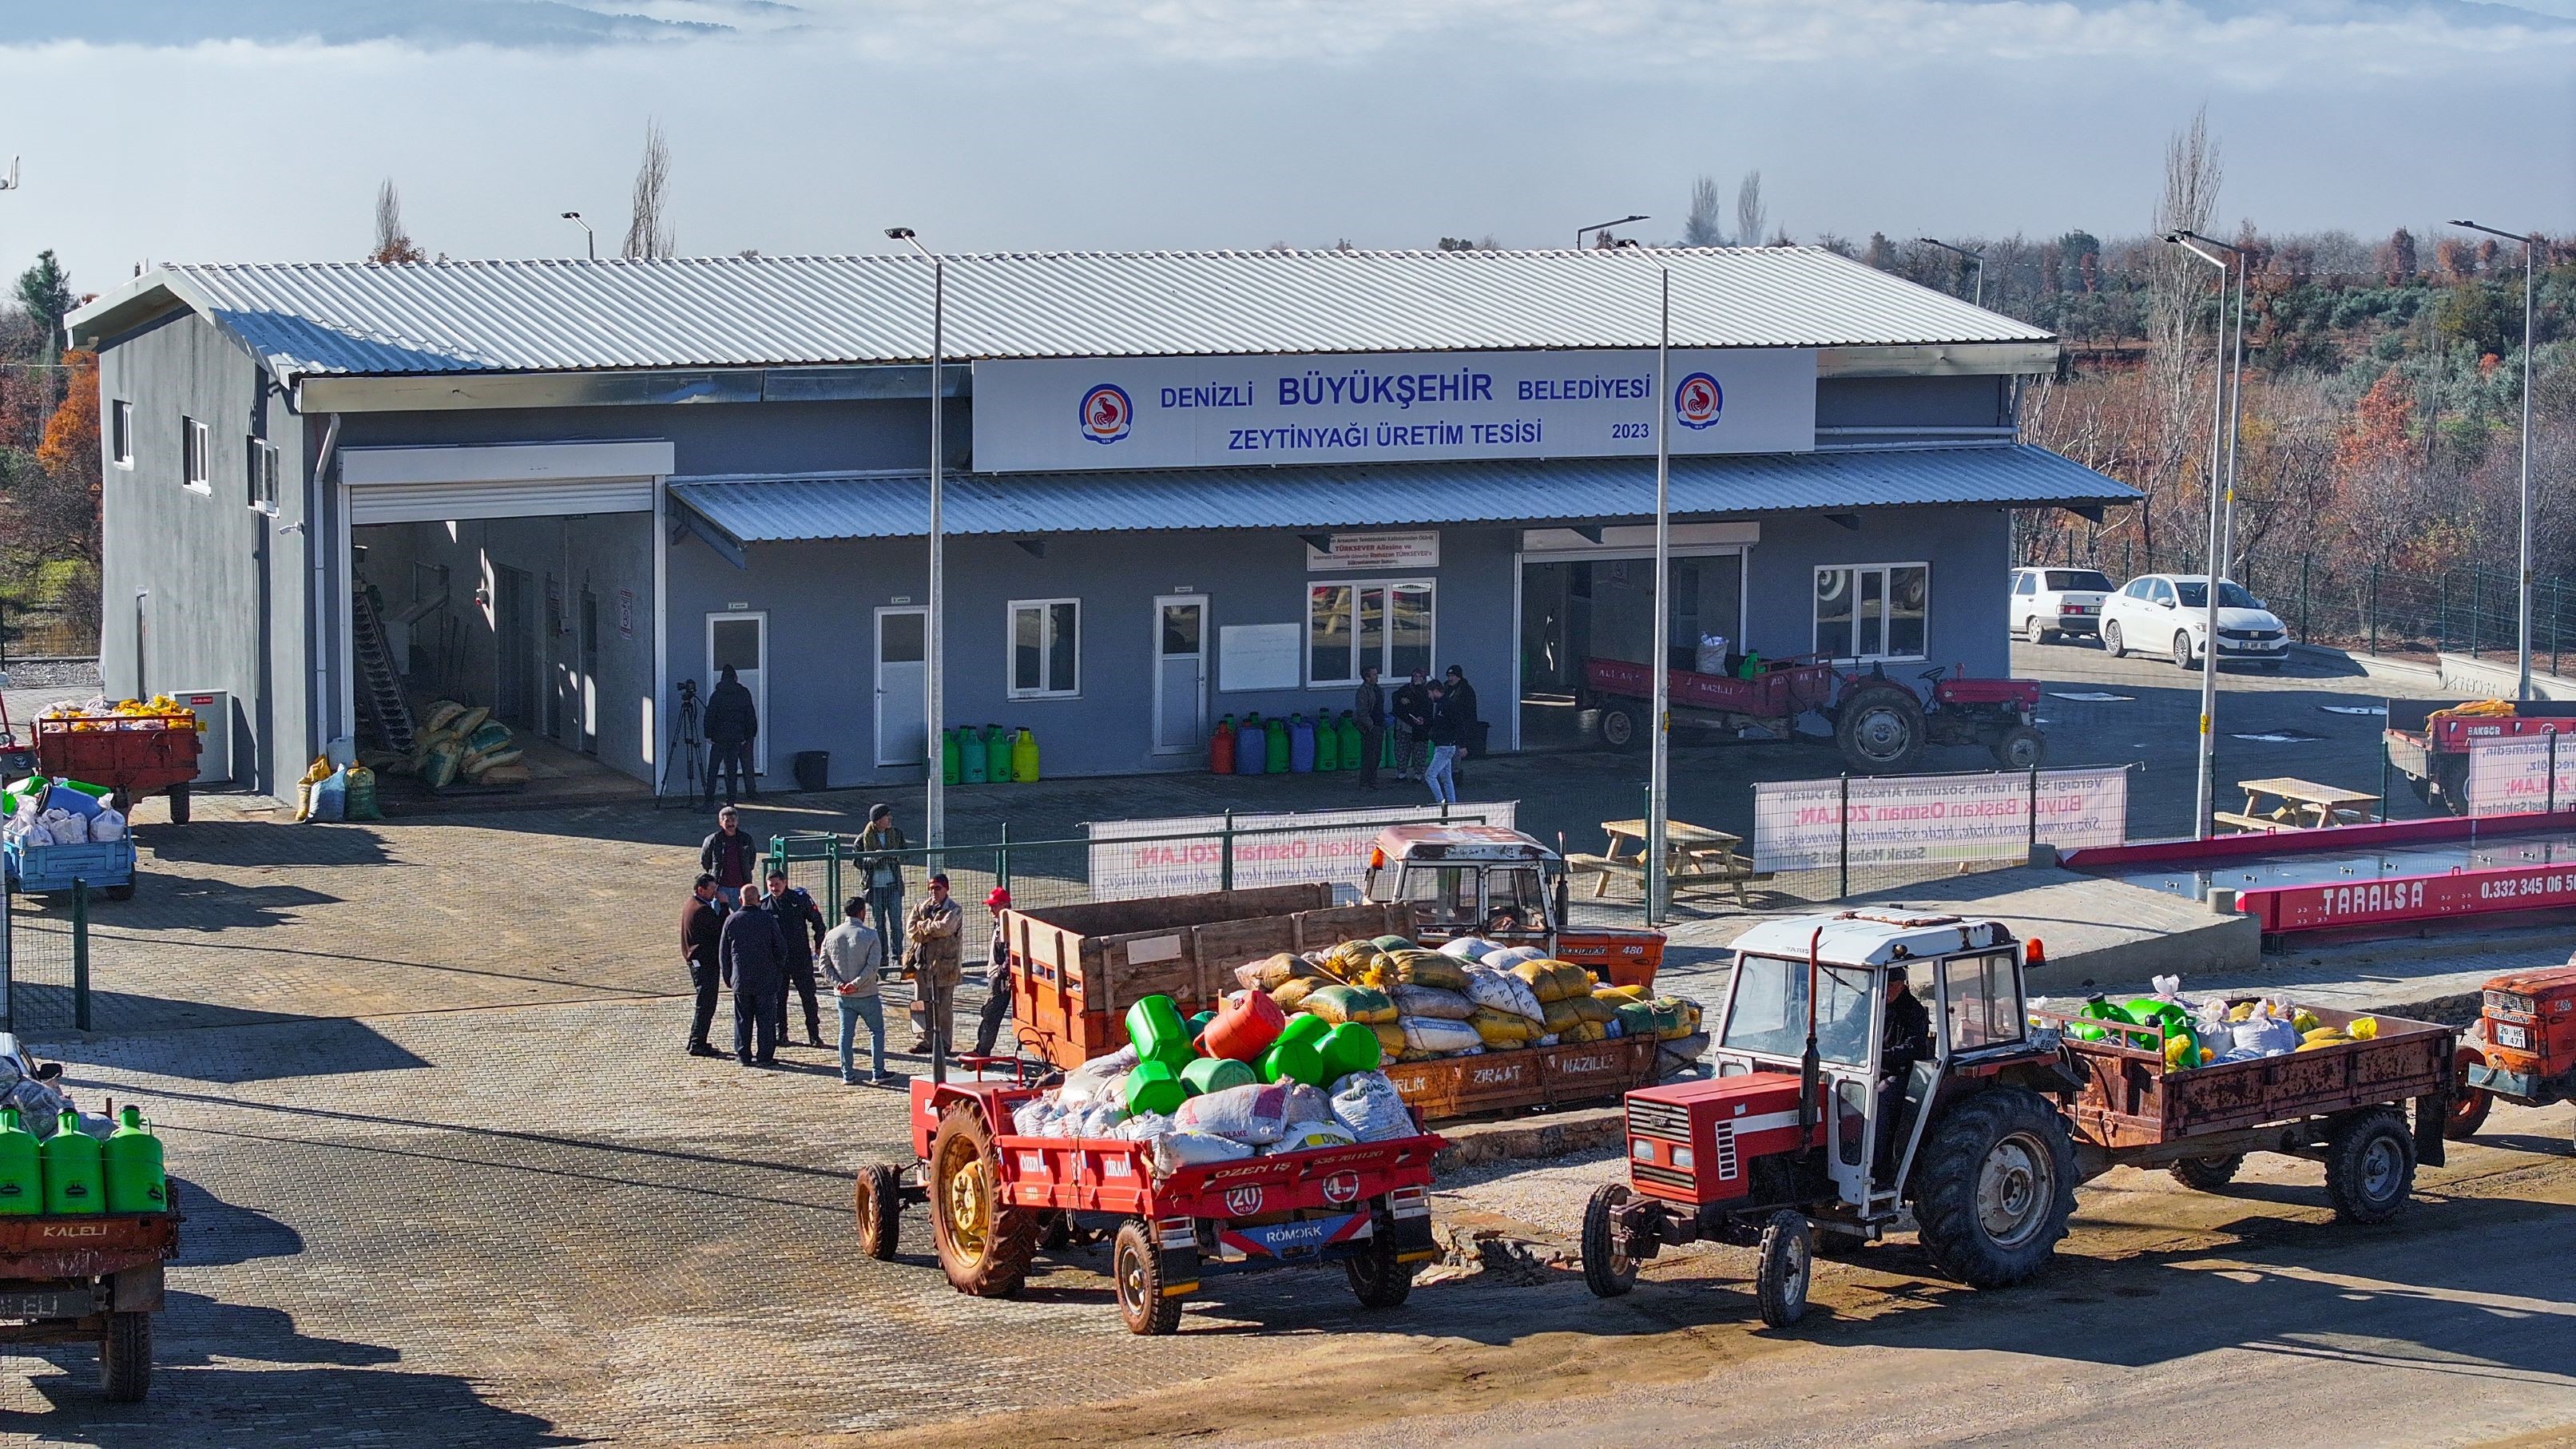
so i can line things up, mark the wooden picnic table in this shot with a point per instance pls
(2309, 806)
(1694, 856)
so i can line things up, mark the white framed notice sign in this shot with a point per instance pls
(1404, 551)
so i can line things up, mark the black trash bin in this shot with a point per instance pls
(813, 769)
(1476, 738)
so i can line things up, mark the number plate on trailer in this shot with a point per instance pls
(2509, 1035)
(52, 1303)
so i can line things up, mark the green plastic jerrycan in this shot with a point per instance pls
(22, 1178)
(75, 1181)
(1278, 742)
(997, 754)
(1305, 1027)
(1328, 745)
(948, 762)
(131, 1157)
(972, 755)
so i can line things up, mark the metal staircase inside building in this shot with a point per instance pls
(382, 708)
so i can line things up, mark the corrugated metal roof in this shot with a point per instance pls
(779, 510)
(536, 316)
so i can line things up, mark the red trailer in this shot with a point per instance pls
(996, 1198)
(131, 754)
(2429, 740)
(1880, 725)
(88, 1279)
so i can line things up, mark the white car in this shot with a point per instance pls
(2169, 614)
(2049, 604)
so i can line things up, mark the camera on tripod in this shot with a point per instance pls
(688, 691)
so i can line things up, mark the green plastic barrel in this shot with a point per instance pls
(948, 762)
(22, 1178)
(1303, 1027)
(1350, 1047)
(1215, 1074)
(1328, 745)
(997, 754)
(1152, 1086)
(131, 1158)
(1155, 1028)
(1295, 1061)
(1347, 734)
(1024, 757)
(1277, 761)
(972, 756)
(75, 1181)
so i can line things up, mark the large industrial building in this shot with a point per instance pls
(1179, 486)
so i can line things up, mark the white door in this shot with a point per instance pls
(1180, 674)
(741, 640)
(903, 687)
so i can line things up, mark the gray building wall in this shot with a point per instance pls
(228, 590)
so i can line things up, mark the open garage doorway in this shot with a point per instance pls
(1582, 599)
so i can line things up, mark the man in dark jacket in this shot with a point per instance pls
(754, 953)
(800, 930)
(1443, 735)
(1412, 725)
(732, 722)
(701, 937)
(729, 855)
(1459, 698)
(1368, 708)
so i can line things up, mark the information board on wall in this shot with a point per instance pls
(1186, 854)
(1258, 656)
(1935, 819)
(2520, 776)
(1061, 414)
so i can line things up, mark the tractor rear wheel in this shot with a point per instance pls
(1137, 1268)
(1788, 1256)
(1996, 1187)
(1607, 1270)
(2207, 1174)
(1376, 1277)
(1879, 728)
(984, 1243)
(2370, 1166)
(879, 1208)
(2470, 1107)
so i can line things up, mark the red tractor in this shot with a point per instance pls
(2523, 1048)
(1880, 724)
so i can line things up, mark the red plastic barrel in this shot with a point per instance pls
(1244, 1027)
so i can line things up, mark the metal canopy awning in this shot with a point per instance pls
(748, 510)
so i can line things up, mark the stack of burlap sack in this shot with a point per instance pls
(1467, 997)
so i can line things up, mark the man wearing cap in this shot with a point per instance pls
(997, 976)
(881, 866)
(933, 954)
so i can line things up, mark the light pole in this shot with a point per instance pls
(934, 815)
(1604, 226)
(10, 183)
(2522, 686)
(1659, 811)
(2235, 401)
(590, 239)
(2206, 801)
(1978, 259)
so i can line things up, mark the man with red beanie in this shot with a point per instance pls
(997, 976)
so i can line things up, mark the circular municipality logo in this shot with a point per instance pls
(1243, 1202)
(1698, 401)
(1342, 1188)
(1106, 413)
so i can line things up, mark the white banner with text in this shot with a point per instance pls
(1186, 854)
(2521, 776)
(1935, 819)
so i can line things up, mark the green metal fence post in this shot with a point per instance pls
(2442, 630)
(1225, 855)
(80, 953)
(2383, 777)
(832, 896)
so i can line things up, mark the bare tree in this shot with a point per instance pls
(1751, 219)
(648, 228)
(2176, 284)
(393, 244)
(1704, 225)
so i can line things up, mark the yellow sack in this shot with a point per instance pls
(1272, 972)
(1390, 1038)
(468, 722)
(1583, 1031)
(1561, 1018)
(442, 713)
(2325, 1034)
(2305, 1020)
(1684, 1008)
(1430, 968)
(1338, 1004)
(2364, 1028)
(1293, 991)
(1554, 980)
(1503, 1030)
(1621, 995)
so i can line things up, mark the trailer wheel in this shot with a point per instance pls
(178, 804)
(1997, 1186)
(1780, 1282)
(879, 1207)
(125, 1357)
(984, 1243)
(1879, 728)
(2207, 1174)
(1607, 1271)
(1622, 725)
(1376, 1277)
(1138, 1268)
(2450, 783)
(2370, 1166)
(2469, 1105)
(2020, 748)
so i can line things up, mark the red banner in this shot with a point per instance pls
(2411, 898)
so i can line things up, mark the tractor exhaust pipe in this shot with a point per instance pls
(1809, 1067)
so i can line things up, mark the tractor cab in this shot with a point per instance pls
(1499, 884)
(2523, 1048)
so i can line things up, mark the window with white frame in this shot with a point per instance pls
(192, 455)
(263, 474)
(1046, 648)
(1873, 611)
(120, 433)
(1350, 625)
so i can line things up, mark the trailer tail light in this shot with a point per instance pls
(1176, 1232)
(1409, 1202)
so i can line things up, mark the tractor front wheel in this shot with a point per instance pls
(1607, 1269)
(879, 1209)
(2470, 1105)
(1996, 1187)
(1788, 1258)
(984, 1243)
(2020, 748)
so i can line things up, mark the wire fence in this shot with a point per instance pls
(44, 961)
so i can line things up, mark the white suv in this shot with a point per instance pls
(2048, 604)
(2169, 614)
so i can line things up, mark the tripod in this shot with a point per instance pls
(687, 748)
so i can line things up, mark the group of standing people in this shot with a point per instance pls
(1434, 721)
(760, 938)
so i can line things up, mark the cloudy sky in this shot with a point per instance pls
(258, 129)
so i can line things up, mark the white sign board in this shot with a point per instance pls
(1060, 414)
(2514, 777)
(1258, 656)
(1377, 551)
(1133, 858)
(1935, 819)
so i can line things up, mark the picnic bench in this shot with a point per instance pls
(1695, 858)
(2303, 805)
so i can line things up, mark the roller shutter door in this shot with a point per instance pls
(438, 502)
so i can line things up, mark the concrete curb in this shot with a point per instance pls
(1584, 1129)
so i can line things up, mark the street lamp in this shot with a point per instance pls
(934, 705)
(1604, 226)
(2235, 400)
(1659, 811)
(2206, 801)
(2522, 687)
(589, 238)
(1978, 259)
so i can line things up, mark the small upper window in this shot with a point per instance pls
(192, 455)
(120, 433)
(263, 474)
